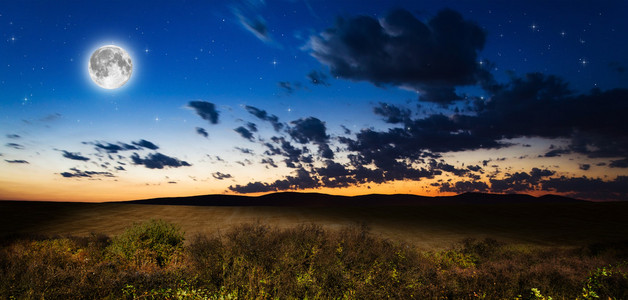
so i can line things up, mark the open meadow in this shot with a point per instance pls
(480, 251)
(425, 226)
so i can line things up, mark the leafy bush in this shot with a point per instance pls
(608, 282)
(147, 244)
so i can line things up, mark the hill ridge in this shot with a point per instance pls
(322, 200)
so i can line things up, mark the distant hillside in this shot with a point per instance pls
(318, 199)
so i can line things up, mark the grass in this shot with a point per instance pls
(428, 227)
(151, 260)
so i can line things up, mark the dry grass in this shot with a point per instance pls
(426, 227)
(256, 261)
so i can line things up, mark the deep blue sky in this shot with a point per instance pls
(398, 112)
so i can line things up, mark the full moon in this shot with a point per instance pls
(110, 67)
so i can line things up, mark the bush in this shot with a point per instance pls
(148, 244)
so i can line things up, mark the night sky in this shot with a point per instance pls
(340, 97)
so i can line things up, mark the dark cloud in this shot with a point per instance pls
(432, 57)
(13, 136)
(292, 155)
(301, 180)
(312, 130)
(120, 168)
(112, 148)
(245, 133)
(621, 163)
(145, 144)
(202, 132)
(263, 115)
(520, 181)
(475, 168)
(589, 188)
(346, 130)
(442, 165)
(158, 161)
(244, 150)
(205, 110)
(255, 25)
(74, 155)
(85, 174)
(16, 161)
(269, 161)
(556, 151)
(585, 167)
(318, 78)
(289, 87)
(460, 187)
(251, 126)
(221, 176)
(15, 146)
(392, 114)
(525, 107)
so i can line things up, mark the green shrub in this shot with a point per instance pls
(609, 282)
(152, 243)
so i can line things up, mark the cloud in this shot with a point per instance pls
(311, 130)
(318, 78)
(251, 126)
(589, 188)
(74, 155)
(51, 117)
(244, 150)
(286, 86)
(85, 174)
(14, 146)
(145, 144)
(620, 163)
(520, 181)
(255, 25)
(302, 180)
(293, 155)
(392, 114)
(400, 50)
(205, 110)
(112, 148)
(158, 161)
(221, 176)
(585, 167)
(16, 161)
(263, 115)
(13, 136)
(269, 161)
(525, 107)
(460, 187)
(557, 152)
(202, 132)
(245, 133)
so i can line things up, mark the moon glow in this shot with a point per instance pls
(110, 67)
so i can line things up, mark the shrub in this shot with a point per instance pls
(148, 244)
(609, 282)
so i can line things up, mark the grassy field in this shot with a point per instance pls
(426, 227)
(515, 251)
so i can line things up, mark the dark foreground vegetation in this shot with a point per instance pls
(151, 261)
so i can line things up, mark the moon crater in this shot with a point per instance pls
(110, 67)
